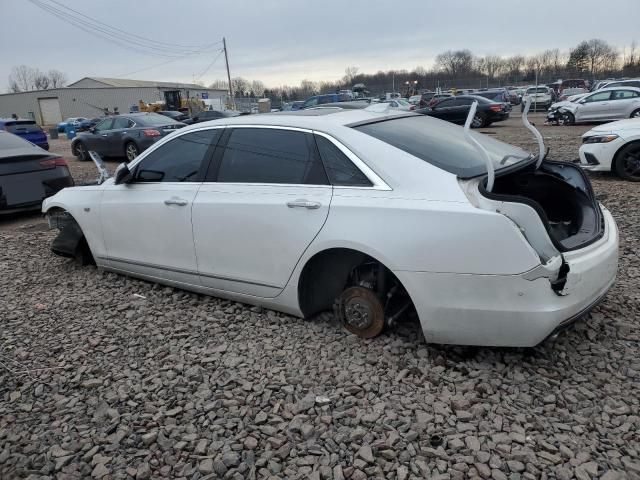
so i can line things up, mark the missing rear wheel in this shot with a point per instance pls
(361, 312)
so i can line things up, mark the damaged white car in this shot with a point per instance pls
(372, 214)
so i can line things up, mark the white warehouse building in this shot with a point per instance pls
(92, 96)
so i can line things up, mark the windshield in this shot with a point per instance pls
(154, 120)
(443, 144)
(402, 102)
(537, 90)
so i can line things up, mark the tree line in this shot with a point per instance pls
(24, 78)
(590, 59)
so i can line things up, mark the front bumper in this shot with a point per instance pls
(509, 310)
(598, 157)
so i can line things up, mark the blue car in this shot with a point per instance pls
(27, 129)
(73, 120)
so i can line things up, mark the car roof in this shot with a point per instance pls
(621, 87)
(324, 119)
(12, 145)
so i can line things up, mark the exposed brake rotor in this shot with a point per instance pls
(361, 312)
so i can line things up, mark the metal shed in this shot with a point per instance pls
(90, 96)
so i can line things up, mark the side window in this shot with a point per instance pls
(623, 94)
(341, 170)
(104, 125)
(598, 97)
(268, 155)
(178, 160)
(312, 102)
(120, 122)
(461, 102)
(446, 103)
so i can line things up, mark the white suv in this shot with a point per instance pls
(541, 98)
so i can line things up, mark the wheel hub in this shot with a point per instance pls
(357, 314)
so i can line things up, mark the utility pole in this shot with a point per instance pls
(232, 100)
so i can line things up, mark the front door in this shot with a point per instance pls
(97, 140)
(267, 198)
(594, 107)
(146, 223)
(113, 143)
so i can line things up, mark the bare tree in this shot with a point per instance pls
(491, 65)
(257, 87)
(240, 86)
(455, 63)
(21, 78)
(219, 84)
(57, 78)
(307, 88)
(349, 75)
(514, 65)
(40, 80)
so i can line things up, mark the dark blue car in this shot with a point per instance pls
(27, 129)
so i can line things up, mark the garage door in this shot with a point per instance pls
(50, 111)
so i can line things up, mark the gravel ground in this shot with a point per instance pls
(104, 376)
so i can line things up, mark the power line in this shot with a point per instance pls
(210, 65)
(197, 47)
(125, 40)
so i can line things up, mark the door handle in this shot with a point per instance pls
(304, 204)
(176, 201)
(104, 135)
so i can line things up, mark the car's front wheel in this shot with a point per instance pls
(567, 118)
(627, 164)
(80, 152)
(131, 151)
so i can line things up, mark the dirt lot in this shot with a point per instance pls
(108, 377)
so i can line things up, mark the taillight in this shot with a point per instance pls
(54, 162)
(412, 107)
(150, 132)
(495, 108)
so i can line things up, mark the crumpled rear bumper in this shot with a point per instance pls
(509, 310)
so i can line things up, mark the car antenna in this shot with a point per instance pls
(534, 130)
(491, 175)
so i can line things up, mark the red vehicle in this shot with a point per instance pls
(573, 83)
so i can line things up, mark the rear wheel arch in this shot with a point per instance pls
(327, 274)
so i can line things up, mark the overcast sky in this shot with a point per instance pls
(285, 41)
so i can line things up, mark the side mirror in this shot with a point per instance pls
(122, 174)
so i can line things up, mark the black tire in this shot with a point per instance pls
(567, 118)
(478, 121)
(635, 114)
(131, 151)
(361, 312)
(80, 152)
(627, 162)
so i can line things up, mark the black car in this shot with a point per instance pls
(123, 135)
(207, 115)
(28, 174)
(176, 115)
(456, 109)
(499, 96)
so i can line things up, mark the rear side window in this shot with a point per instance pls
(179, 160)
(268, 155)
(443, 144)
(340, 170)
(121, 122)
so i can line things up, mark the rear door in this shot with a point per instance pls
(265, 199)
(623, 102)
(113, 144)
(444, 109)
(594, 107)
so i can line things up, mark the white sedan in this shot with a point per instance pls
(371, 213)
(602, 105)
(613, 147)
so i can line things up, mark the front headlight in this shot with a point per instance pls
(599, 139)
